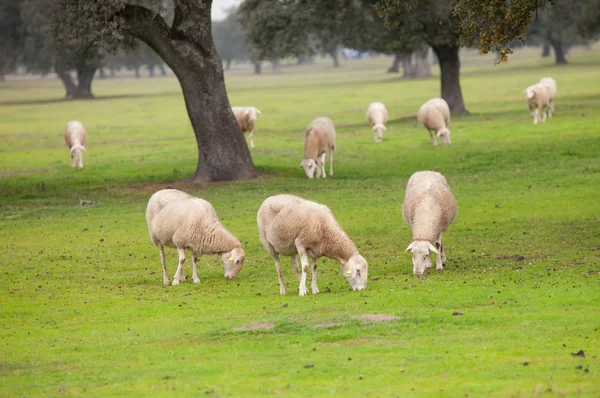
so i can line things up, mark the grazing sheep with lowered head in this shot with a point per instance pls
(430, 117)
(75, 138)
(319, 138)
(538, 100)
(377, 116)
(246, 118)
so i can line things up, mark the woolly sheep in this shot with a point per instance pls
(292, 226)
(377, 116)
(550, 84)
(430, 117)
(75, 138)
(319, 138)
(246, 118)
(538, 99)
(441, 106)
(429, 208)
(176, 219)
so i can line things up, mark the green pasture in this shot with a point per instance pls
(83, 311)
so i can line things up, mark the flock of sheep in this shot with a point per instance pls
(292, 226)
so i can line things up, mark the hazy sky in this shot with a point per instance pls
(219, 5)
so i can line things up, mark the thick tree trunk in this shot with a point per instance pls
(65, 78)
(450, 74)
(545, 50)
(408, 70)
(187, 47)
(558, 49)
(85, 75)
(335, 57)
(395, 68)
(422, 69)
(257, 68)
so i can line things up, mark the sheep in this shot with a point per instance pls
(443, 107)
(377, 116)
(292, 226)
(246, 118)
(538, 99)
(430, 117)
(176, 219)
(319, 138)
(75, 138)
(429, 208)
(550, 84)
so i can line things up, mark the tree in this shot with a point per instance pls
(179, 31)
(11, 39)
(229, 37)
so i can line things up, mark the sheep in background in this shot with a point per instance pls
(429, 208)
(246, 118)
(430, 117)
(550, 84)
(319, 138)
(442, 106)
(377, 116)
(292, 226)
(538, 100)
(75, 138)
(178, 220)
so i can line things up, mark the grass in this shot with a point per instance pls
(84, 311)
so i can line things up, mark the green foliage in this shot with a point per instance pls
(230, 37)
(84, 312)
(11, 38)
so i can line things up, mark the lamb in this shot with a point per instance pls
(435, 122)
(538, 99)
(319, 138)
(441, 106)
(377, 116)
(292, 226)
(75, 138)
(429, 208)
(550, 84)
(246, 118)
(176, 219)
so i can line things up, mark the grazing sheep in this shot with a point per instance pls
(319, 138)
(430, 117)
(550, 84)
(176, 219)
(246, 118)
(429, 208)
(75, 138)
(292, 226)
(377, 116)
(538, 99)
(441, 106)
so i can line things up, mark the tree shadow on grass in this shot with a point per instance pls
(96, 98)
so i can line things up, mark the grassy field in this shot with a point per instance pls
(84, 313)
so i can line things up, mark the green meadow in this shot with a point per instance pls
(83, 311)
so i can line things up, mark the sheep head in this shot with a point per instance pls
(356, 272)
(309, 166)
(76, 155)
(378, 129)
(233, 262)
(420, 255)
(444, 134)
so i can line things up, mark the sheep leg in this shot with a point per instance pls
(544, 114)
(295, 268)
(179, 275)
(322, 161)
(279, 273)
(330, 162)
(433, 135)
(313, 283)
(195, 269)
(440, 260)
(163, 260)
(536, 115)
(251, 136)
(304, 262)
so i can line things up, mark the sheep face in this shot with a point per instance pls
(420, 255)
(529, 93)
(444, 135)
(77, 156)
(356, 272)
(233, 262)
(378, 130)
(309, 166)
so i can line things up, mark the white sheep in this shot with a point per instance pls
(538, 100)
(377, 116)
(176, 219)
(430, 117)
(429, 208)
(292, 226)
(246, 118)
(441, 106)
(75, 138)
(319, 138)
(550, 84)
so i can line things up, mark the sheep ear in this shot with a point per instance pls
(409, 247)
(384, 128)
(433, 249)
(259, 112)
(83, 148)
(300, 165)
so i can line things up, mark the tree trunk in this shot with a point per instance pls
(275, 64)
(395, 68)
(450, 74)
(422, 69)
(257, 66)
(301, 59)
(2, 78)
(334, 55)
(545, 50)
(101, 74)
(85, 75)
(228, 63)
(112, 71)
(65, 78)
(187, 47)
(150, 70)
(558, 49)
(162, 70)
(408, 71)
(136, 69)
